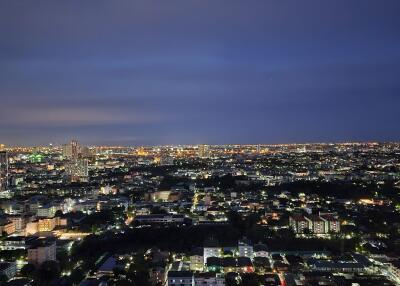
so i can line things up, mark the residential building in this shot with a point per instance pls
(19, 222)
(261, 250)
(42, 250)
(211, 249)
(314, 224)
(3, 171)
(180, 278)
(48, 210)
(44, 224)
(299, 224)
(7, 227)
(197, 260)
(160, 219)
(17, 242)
(245, 248)
(203, 151)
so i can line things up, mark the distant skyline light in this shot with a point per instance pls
(191, 72)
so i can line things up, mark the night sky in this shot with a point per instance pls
(188, 72)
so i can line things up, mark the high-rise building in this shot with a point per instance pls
(74, 150)
(76, 167)
(67, 150)
(203, 151)
(3, 170)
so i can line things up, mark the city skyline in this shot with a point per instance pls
(61, 144)
(199, 143)
(158, 73)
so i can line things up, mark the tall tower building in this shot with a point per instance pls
(3, 170)
(74, 149)
(203, 151)
(71, 150)
(76, 165)
(67, 151)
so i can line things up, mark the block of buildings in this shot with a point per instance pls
(42, 250)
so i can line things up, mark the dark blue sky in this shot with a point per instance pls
(197, 71)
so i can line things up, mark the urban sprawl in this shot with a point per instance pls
(201, 215)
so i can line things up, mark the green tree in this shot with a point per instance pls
(63, 260)
(250, 279)
(48, 272)
(77, 275)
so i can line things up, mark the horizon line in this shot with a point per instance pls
(4, 146)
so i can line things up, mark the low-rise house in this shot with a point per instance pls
(230, 264)
(260, 250)
(17, 242)
(160, 219)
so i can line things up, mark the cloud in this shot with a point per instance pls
(198, 71)
(75, 117)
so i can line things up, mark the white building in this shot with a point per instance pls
(245, 248)
(180, 278)
(211, 251)
(48, 210)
